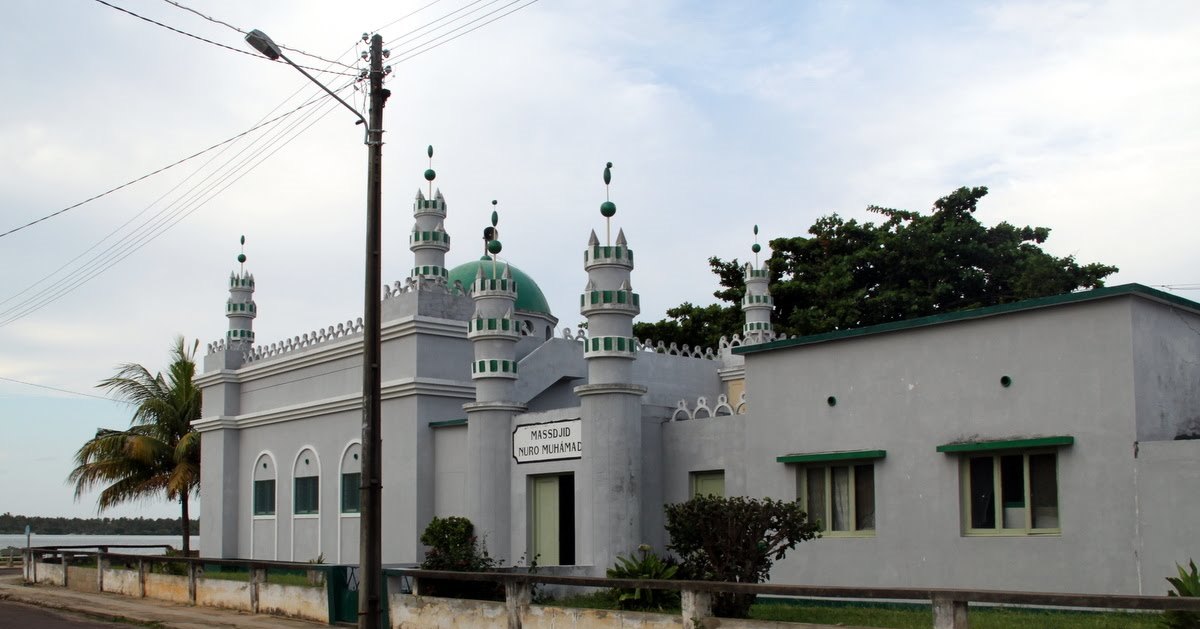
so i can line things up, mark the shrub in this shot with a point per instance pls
(649, 566)
(734, 539)
(1186, 584)
(453, 546)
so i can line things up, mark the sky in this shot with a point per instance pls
(1078, 116)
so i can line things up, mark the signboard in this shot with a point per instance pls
(548, 441)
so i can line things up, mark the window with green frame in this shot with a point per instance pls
(708, 483)
(840, 497)
(264, 497)
(307, 498)
(350, 492)
(1010, 493)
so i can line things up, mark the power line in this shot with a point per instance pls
(209, 41)
(406, 16)
(160, 170)
(42, 386)
(159, 223)
(243, 32)
(446, 41)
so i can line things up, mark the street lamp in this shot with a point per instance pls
(370, 567)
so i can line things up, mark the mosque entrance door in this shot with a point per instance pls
(552, 519)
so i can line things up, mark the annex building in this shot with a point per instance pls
(1051, 444)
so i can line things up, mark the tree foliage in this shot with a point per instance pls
(15, 525)
(159, 454)
(846, 274)
(453, 546)
(734, 539)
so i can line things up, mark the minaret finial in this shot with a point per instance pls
(756, 248)
(430, 175)
(608, 208)
(491, 238)
(242, 256)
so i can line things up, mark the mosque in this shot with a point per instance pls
(1050, 444)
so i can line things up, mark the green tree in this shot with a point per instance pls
(847, 274)
(160, 451)
(734, 539)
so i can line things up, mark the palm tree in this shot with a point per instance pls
(160, 452)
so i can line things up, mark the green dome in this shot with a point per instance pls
(529, 296)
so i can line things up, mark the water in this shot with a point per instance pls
(175, 541)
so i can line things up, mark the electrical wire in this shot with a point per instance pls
(243, 32)
(209, 41)
(42, 386)
(163, 221)
(399, 39)
(166, 218)
(446, 41)
(406, 16)
(151, 174)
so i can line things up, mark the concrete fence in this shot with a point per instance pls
(324, 597)
(229, 584)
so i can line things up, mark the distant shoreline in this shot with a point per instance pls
(15, 525)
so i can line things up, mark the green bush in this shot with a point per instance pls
(453, 546)
(734, 539)
(649, 566)
(1186, 584)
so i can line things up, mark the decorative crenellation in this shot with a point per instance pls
(304, 341)
(703, 411)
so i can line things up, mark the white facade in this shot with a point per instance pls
(568, 447)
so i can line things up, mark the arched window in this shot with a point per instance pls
(351, 478)
(264, 485)
(306, 497)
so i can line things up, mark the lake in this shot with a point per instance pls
(107, 540)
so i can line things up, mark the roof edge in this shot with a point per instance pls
(1133, 290)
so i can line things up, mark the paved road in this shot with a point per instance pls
(18, 616)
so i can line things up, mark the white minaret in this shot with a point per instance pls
(429, 241)
(240, 308)
(494, 334)
(757, 303)
(610, 401)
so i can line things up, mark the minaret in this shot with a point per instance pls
(610, 401)
(757, 302)
(240, 308)
(429, 241)
(494, 334)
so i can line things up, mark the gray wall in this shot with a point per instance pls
(907, 393)
(1166, 346)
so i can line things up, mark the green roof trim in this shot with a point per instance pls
(822, 457)
(529, 296)
(448, 422)
(979, 313)
(1006, 444)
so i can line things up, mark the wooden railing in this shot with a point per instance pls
(950, 606)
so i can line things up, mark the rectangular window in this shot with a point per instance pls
(350, 492)
(840, 497)
(1011, 493)
(307, 500)
(708, 483)
(264, 497)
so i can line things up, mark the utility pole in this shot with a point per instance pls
(370, 540)
(370, 564)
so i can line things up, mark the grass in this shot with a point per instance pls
(907, 616)
(920, 617)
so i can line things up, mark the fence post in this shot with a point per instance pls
(949, 613)
(257, 576)
(141, 589)
(191, 574)
(517, 595)
(697, 607)
(64, 566)
(100, 571)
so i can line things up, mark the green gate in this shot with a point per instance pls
(343, 594)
